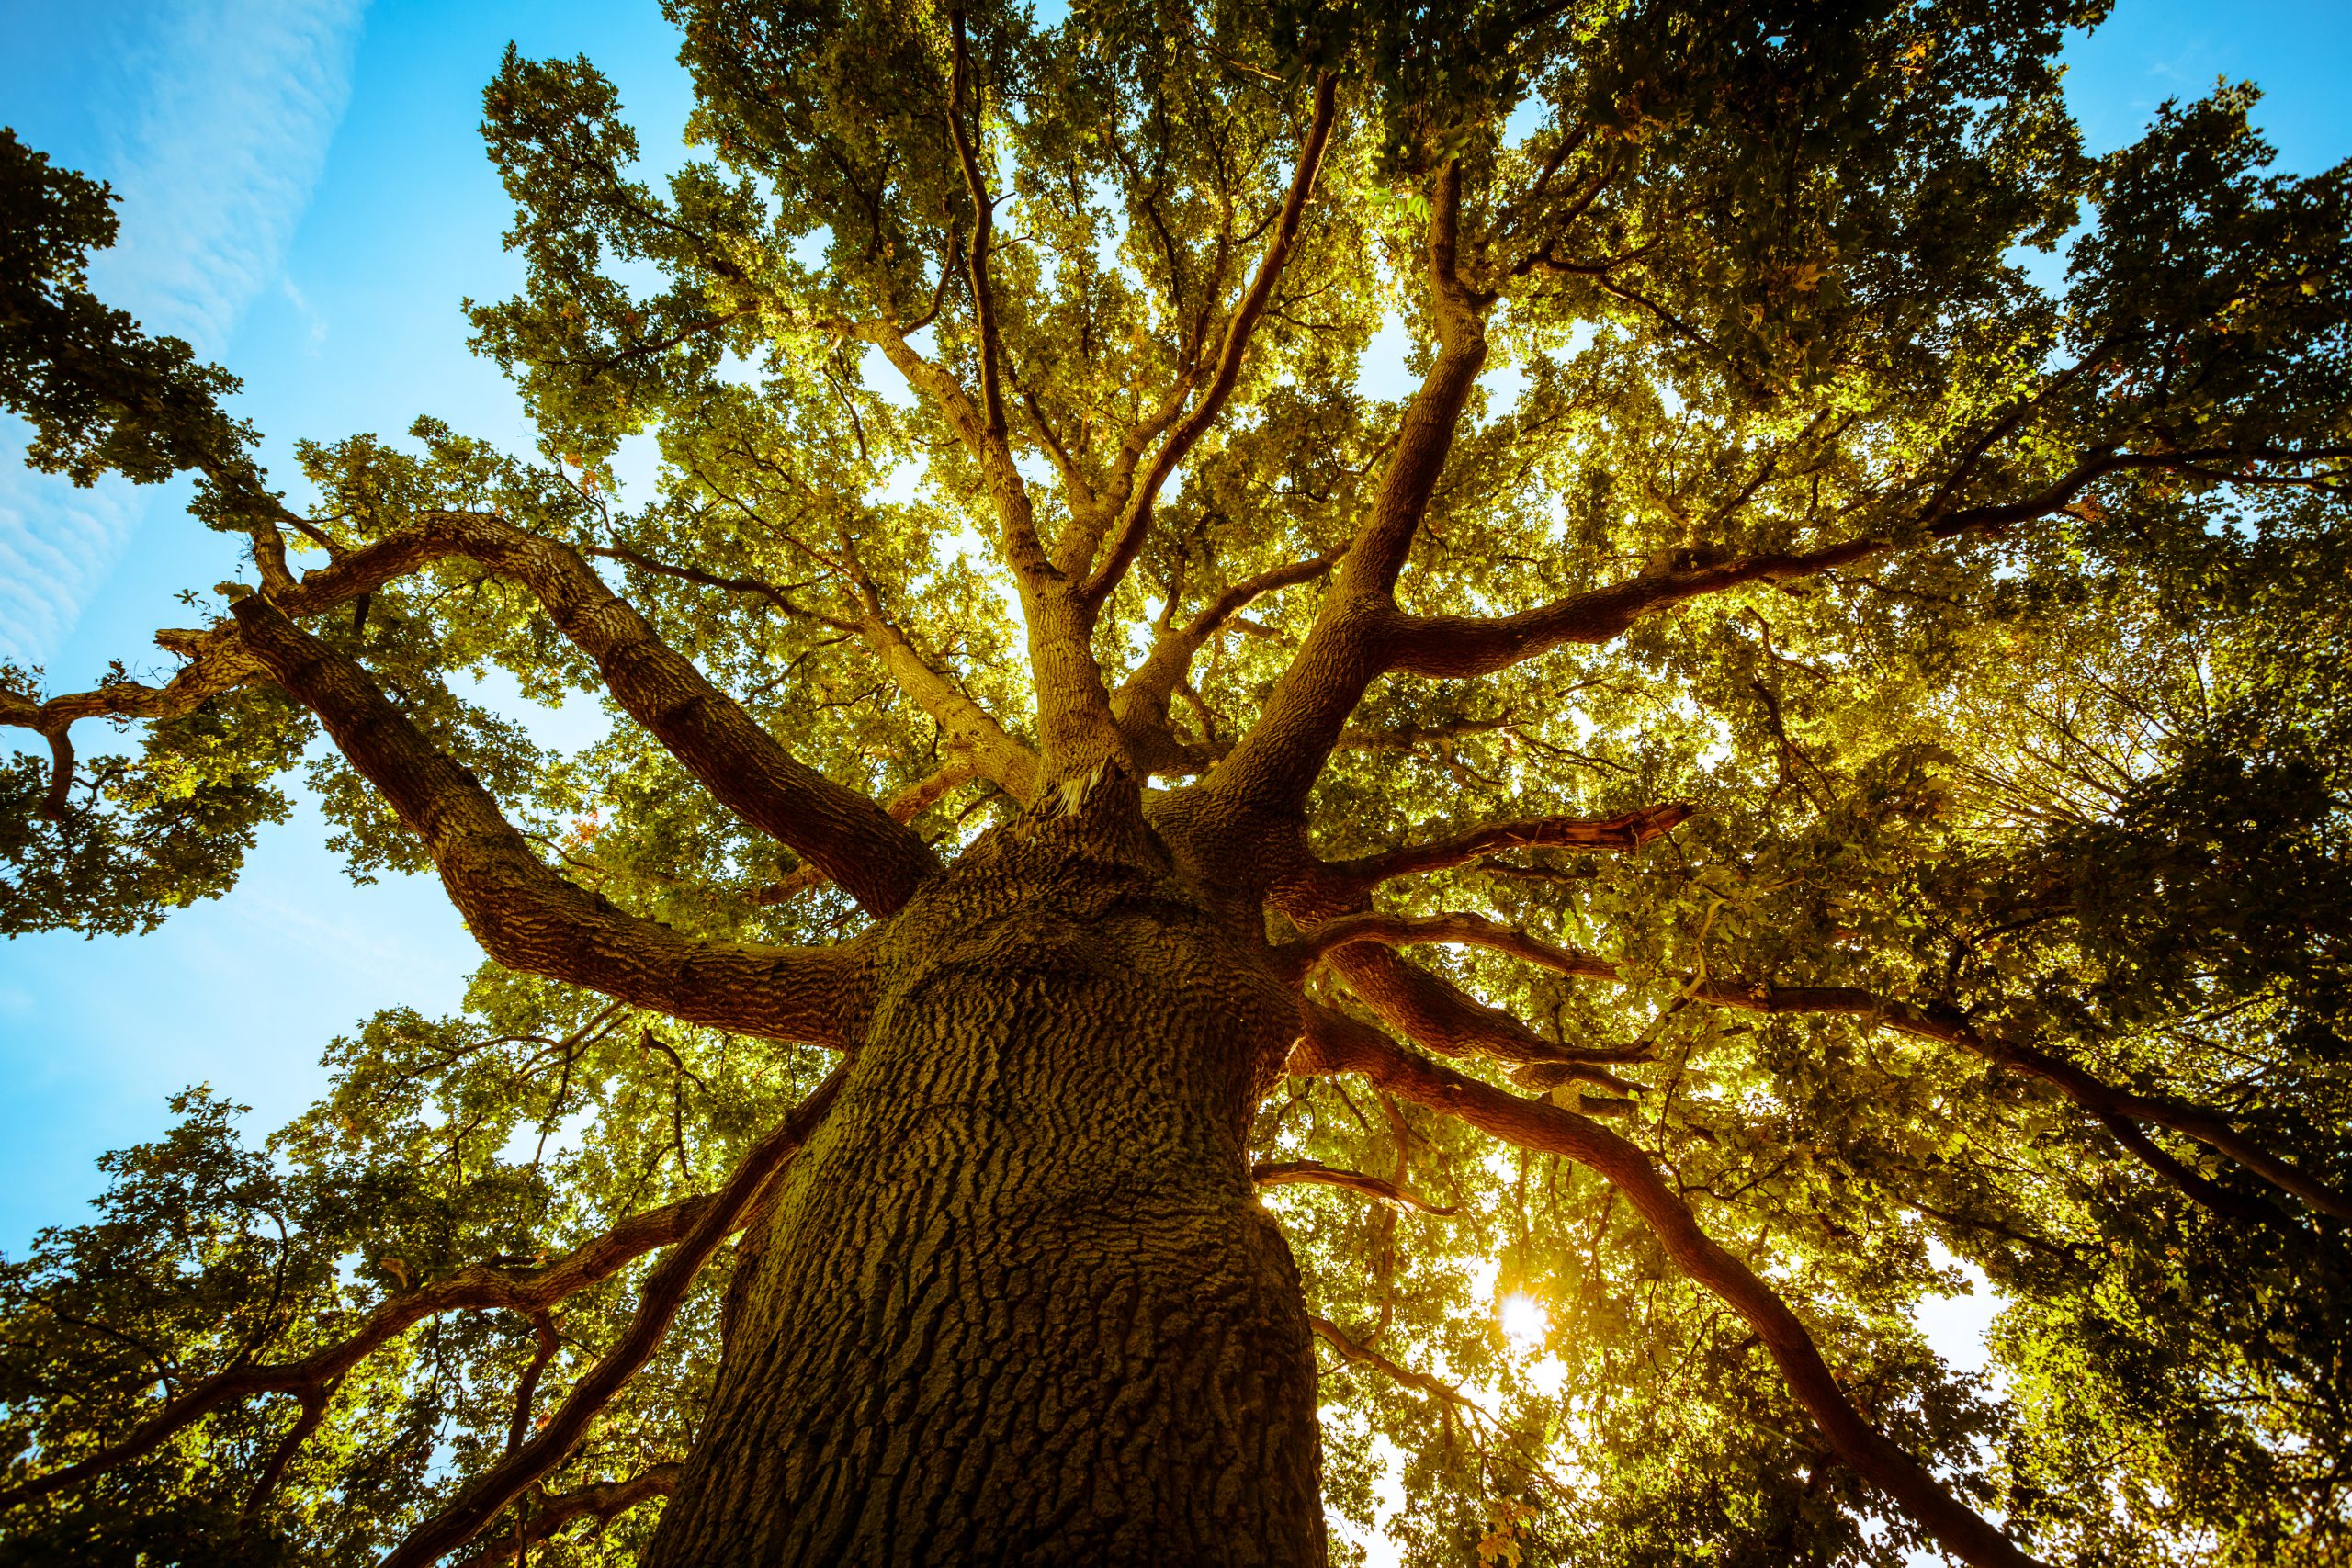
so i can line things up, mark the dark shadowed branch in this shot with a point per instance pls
(1409, 931)
(480, 1287)
(311, 1412)
(1438, 1015)
(727, 1210)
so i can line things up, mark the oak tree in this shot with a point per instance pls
(1156, 935)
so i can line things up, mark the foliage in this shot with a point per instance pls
(2059, 761)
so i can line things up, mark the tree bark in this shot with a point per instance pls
(1017, 1302)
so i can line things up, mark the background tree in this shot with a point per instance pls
(1521, 917)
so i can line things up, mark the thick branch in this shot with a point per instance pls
(1427, 436)
(314, 1410)
(1338, 1043)
(2116, 1109)
(905, 807)
(851, 836)
(1076, 730)
(1461, 647)
(1361, 635)
(728, 1208)
(876, 860)
(970, 728)
(1276, 763)
(526, 916)
(1016, 516)
(1437, 1015)
(216, 663)
(1287, 1173)
(61, 774)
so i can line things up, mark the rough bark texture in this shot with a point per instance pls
(1017, 1302)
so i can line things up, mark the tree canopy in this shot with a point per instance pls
(1842, 749)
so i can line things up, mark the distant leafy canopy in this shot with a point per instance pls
(1994, 636)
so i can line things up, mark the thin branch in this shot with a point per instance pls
(215, 664)
(1285, 1173)
(476, 1288)
(970, 728)
(1462, 647)
(759, 586)
(604, 1502)
(1331, 1335)
(1137, 522)
(1313, 946)
(1009, 493)
(1408, 738)
(2117, 1110)
(1622, 834)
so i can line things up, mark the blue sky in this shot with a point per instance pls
(305, 200)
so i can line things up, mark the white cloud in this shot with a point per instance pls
(238, 100)
(57, 544)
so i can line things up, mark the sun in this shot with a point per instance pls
(1525, 1322)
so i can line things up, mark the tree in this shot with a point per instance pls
(1540, 918)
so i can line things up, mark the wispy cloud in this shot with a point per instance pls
(237, 102)
(242, 99)
(57, 544)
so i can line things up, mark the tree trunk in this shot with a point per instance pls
(1017, 1303)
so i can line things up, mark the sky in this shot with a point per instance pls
(305, 200)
